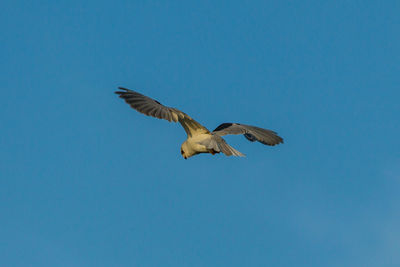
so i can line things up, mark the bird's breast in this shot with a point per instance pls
(194, 142)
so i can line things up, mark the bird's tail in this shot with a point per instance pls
(228, 150)
(218, 144)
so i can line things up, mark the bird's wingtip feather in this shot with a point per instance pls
(121, 92)
(123, 88)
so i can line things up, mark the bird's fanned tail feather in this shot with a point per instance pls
(217, 143)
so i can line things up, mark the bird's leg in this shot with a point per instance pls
(213, 152)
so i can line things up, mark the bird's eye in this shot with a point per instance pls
(181, 152)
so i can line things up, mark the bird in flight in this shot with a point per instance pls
(199, 139)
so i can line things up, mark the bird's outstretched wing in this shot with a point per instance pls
(252, 133)
(151, 107)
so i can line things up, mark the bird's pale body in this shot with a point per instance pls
(193, 145)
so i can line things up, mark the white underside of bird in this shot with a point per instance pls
(207, 143)
(200, 139)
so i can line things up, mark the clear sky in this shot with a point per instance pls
(87, 181)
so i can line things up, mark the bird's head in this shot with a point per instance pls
(185, 151)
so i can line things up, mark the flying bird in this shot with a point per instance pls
(199, 139)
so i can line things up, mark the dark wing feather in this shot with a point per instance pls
(151, 107)
(252, 133)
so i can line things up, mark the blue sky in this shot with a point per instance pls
(87, 181)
